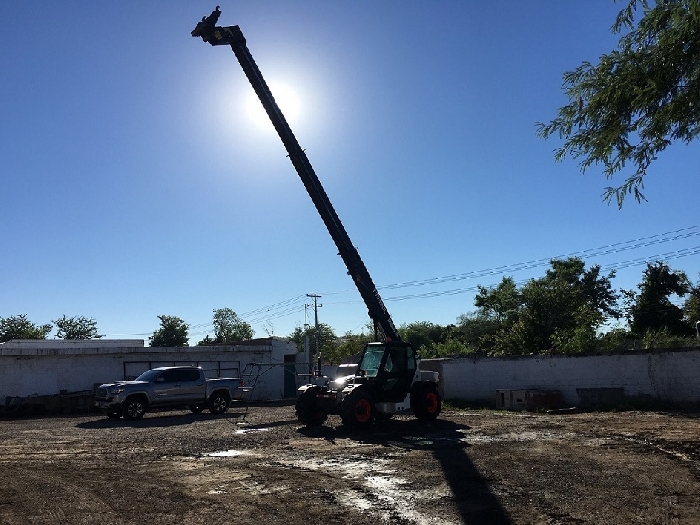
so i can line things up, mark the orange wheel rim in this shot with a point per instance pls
(363, 410)
(432, 402)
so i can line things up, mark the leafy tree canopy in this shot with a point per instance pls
(477, 329)
(691, 308)
(422, 333)
(501, 303)
(652, 310)
(76, 328)
(228, 328)
(327, 340)
(638, 99)
(19, 327)
(558, 311)
(350, 345)
(172, 332)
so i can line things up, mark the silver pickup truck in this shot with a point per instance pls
(166, 387)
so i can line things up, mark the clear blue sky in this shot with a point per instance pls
(134, 183)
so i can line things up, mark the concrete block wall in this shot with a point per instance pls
(672, 375)
(50, 367)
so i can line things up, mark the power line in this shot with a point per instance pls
(528, 265)
(296, 304)
(619, 247)
(677, 254)
(276, 311)
(632, 244)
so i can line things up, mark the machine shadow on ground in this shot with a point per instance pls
(471, 493)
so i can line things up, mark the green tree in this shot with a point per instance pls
(229, 327)
(422, 334)
(616, 339)
(450, 347)
(651, 310)
(638, 99)
(327, 341)
(19, 327)
(564, 308)
(434, 340)
(350, 345)
(691, 308)
(500, 304)
(207, 341)
(498, 310)
(558, 312)
(477, 330)
(172, 332)
(76, 328)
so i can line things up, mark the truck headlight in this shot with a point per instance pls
(115, 391)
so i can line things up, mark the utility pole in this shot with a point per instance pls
(316, 307)
(306, 338)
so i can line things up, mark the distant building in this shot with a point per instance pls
(270, 366)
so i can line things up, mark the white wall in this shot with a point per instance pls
(672, 375)
(48, 367)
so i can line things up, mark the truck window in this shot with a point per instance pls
(191, 374)
(170, 376)
(148, 375)
(179, 375)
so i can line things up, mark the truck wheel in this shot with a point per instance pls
(134, 408)
(196, 409)
(358, 409)
(219, 402)
(426, 402)
(307, 409)
(113, 414)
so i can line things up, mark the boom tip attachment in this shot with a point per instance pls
(207, 23)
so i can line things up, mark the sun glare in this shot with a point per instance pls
(286, 99)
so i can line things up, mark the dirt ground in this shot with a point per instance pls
(261, 466)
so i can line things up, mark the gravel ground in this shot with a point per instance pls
(261, 465)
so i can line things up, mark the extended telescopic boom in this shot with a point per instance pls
(232, 35)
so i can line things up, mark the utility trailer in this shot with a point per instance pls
(388, 377)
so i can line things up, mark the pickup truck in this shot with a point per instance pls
(166, 387)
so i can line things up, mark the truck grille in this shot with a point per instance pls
(101, 393)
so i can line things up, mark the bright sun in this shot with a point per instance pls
(286, 99)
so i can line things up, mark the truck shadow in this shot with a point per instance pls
(160, 419)
(470, 491)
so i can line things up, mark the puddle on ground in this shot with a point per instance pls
(383, 492)
(226, 454)
(518, 437)
(429, 443)
(251, 430)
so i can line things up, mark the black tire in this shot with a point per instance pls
(219, 402)
(134, 408)
(307, 410)
(113, 414)
(426, 402)
(196, 409)
(358, 410)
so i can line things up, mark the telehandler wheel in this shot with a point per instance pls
(307, 409)
(219, 402)
(358, 410)
(426, 402)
